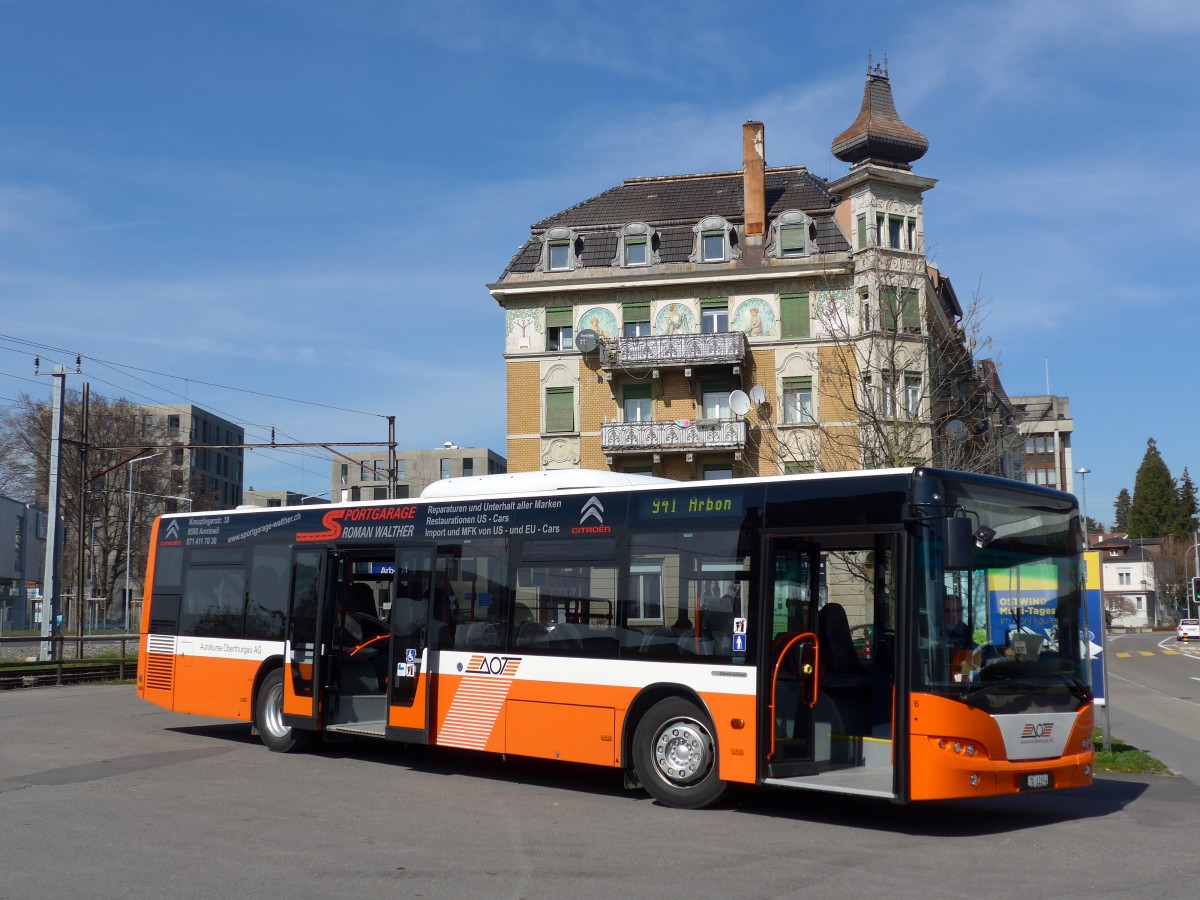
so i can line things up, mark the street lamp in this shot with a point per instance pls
(1083, 472)
(129, 533)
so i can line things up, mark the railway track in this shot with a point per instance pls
(35, 674)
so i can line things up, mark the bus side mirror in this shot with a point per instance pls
(958, 543)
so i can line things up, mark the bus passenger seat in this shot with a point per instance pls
(837, 647)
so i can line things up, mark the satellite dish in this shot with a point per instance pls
(758, 396)
(587, 340)
(739, 402)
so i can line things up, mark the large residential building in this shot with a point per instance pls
(1046, 424)
(748, 322)
(364, 476)
(209, 476)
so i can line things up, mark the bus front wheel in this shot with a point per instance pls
(268, 718)
(675, 755)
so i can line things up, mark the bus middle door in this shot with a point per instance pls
(410, 681)
(791, 670)
(310, 623)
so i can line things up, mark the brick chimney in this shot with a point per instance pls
(753, 171)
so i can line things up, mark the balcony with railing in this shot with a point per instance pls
(667, 350)
(675, 436)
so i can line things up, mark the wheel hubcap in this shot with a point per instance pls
(683, 753)
(273, 712)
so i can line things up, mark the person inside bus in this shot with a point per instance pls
(958, 633)
(716, 618)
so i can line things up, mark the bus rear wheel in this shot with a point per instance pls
(268, 718)
(675, 755)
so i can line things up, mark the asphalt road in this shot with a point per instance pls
(1154, 686)
(103, 796)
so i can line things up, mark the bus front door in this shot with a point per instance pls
(310, 620)
(410, 681)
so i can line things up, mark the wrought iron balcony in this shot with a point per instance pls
(666, 350)
(673, 436)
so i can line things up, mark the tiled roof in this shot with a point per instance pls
(674, 205)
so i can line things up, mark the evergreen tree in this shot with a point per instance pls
(1185, 525)
(1121, 512)
(1155, 507)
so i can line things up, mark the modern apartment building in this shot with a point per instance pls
(748, 322)
(210, 476)
(364, 476)
(1046, 425)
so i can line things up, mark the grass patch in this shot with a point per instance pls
(1125, 758)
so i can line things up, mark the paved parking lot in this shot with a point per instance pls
(104, 796)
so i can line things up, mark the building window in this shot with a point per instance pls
(1125, 578)
(560, 250)
(637, 245)
(895, 232)
(797, 400)
(172, 426)
(715, 241)
(560, 256)
(560, 410)
(799, 467)
(794, 323)
(792, 234)
(468, 467)
(714, 316)
(718, 471)
(899, 307)
(635, 251)
(444, 469)
(637, 319)
(715, 400)
(637, 405)
(645, 591)
(400, 469)
(559, 333)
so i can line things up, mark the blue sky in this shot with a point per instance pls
(305, 201)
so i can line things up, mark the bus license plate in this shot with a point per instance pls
(1037, 781)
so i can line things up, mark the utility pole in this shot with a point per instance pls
(51, 578)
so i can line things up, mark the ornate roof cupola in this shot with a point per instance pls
(878, 135)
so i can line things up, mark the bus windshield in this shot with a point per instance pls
(1010, 627)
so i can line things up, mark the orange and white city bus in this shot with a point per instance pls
(909, 634)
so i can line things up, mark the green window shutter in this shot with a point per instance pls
(799, 467)
(560, 410)
(791, 238)
(631, 239)
(715, 303)
(636, 312)
(636, 392)
(911, 315)
(803, 383)
(558, 317)
(793, 315)
(888, 307)
(862, 231)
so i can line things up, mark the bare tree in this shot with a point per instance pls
(99, 513)
(896, 378)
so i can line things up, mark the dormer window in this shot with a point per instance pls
(561, 249)
(637, 245)
(792, 234)
(715, 241)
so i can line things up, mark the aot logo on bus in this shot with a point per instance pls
(494, 665)
(1034, 731)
